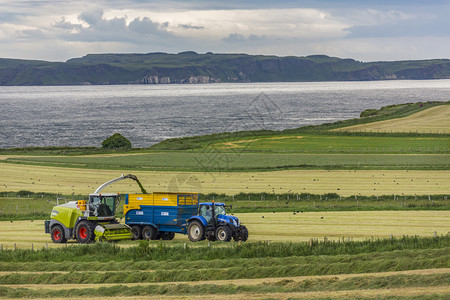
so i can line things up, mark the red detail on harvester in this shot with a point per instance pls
(56, 235)
(82, 232)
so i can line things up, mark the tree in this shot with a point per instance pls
(116, 141)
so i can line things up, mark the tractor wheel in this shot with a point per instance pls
(196, 231)
(149, 233)
(136, 230)
(57, 233)
(244, 233)
(85, 232)
(223, 234)
(168, 236)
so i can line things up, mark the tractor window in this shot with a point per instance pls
(219, 210)
(206, 212)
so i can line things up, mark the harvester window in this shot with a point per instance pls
(106, 207)
(102, 206)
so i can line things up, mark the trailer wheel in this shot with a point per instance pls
(149, 233)
(136, 230)
(85, 232)
(223, 234)
(57, 233)
(168, 236)
(196, 231)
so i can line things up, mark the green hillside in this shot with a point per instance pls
(190, 67)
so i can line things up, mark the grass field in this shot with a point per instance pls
(434, 119)
(216, 161)
(328, 143)
(344, 182)
(315, 253)
(407, 266)
(283, 227)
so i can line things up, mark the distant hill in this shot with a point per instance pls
(190, 67)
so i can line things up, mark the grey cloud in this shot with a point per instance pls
(147, 26)
(255, 37)
(413, 28)
(234, 38)
(63, 24)
(189, 26)
(238, 38)
(91, 17)
(113, 30)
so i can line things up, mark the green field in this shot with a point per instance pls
(331, 215)
(318, 268)
(435, 119)
(218, 161)
(68, 181)
(282, 226)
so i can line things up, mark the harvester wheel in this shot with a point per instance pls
(136, 230)
(168, 236)
(58, 234)
(196, 231)
(85, 232)
(149, 233)
(223, 234)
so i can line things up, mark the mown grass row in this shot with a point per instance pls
(283, 286)
(179, 252)
(209, 272)
(312, 264)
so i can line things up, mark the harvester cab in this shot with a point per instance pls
(90, 220)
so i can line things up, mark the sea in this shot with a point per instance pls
(43, 116)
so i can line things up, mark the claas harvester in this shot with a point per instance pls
(91, 220)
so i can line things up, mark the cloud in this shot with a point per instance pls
(234, 37)
(189, 26)
(283, 27)
(146, 26)
(91, 17)
(401, 25)
(94, 27)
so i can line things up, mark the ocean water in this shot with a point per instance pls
(147, 114)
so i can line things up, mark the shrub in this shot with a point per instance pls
(369, 112)
(116, 141)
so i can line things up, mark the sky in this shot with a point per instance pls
(362, 30)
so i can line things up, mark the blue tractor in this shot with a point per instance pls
(214, 224)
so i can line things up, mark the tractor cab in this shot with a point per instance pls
(213, 223)
(216, 210)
